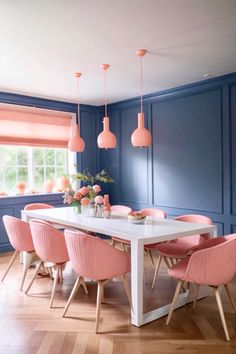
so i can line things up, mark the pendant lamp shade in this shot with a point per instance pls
(76, 143)
(106, 139)
(141, 137)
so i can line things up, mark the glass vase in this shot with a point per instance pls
(77, 209)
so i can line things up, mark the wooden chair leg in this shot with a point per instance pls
(26, 267)
(196, 291)
(127, 288)
(13, 258)
(149, 252)
(84, 285)
(166, 262)
(156, 270)
(172, 307)
(230, 297)
(34, 277)
(99, 298)
(222, 316)
(79, 281)
(112, 243)
(56, 277)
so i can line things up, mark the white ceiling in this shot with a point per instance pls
(42, 43)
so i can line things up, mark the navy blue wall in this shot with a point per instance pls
(191, 166)
(87, 159)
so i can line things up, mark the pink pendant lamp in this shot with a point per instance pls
(76, 143)
(106, 139)
(141, 137)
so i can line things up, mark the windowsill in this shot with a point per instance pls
(29, 195)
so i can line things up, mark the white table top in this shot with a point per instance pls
(153, 230)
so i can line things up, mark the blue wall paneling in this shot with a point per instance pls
(191, 166)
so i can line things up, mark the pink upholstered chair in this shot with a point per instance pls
(34, 206)
(50, 246)
(179, 248)
(123, 210)
(95, 259)
(19, 235)
(213, 264)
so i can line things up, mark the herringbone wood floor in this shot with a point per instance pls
(28, 326)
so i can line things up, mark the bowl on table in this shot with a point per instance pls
(136, 218)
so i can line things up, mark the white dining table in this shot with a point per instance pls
(152, 231)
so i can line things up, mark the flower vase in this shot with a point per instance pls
(99, 213)
(77, 209)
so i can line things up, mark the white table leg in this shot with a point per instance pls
(137, 282)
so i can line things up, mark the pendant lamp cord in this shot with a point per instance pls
(141, 81)
(78, 114)
(105, 93)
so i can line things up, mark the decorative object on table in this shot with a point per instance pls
(84, 199)
(76, 143)
(99, 206)
(20, 187)
(48, 186)
(136, 217)
(141, 137)
(106, 139)
(107, 207)
(62, 184)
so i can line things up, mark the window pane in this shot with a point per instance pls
(10, 157)
(50, 157)
(38, 157)
(38, 177)
(22, 157)
(60, 171)
(10, 179)
(23, 174)
(50, 173)
(32, 165)
(60, 158)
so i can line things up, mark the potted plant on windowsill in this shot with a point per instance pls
(20, 187)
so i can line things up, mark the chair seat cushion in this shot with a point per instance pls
(178, 271)
(173, 250)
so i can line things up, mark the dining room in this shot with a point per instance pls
(117, 177)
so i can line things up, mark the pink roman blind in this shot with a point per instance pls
(34, 126)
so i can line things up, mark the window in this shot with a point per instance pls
(33, 165)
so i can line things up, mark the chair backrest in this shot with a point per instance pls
(214, 263)
(34, 206)
(19, 234)
(94, 258)
(157, 213)
(121, 209)
(49, 242)
(195, 218)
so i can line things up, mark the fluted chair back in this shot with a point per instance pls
(94, 258)
(156, 213)
(121, 209)
(49, 242)
(34, 206)
(19, 234)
